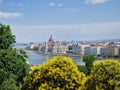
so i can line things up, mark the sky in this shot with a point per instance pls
(65, 20)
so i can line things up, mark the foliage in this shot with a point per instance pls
(6, 37)
(88, 59)
(70, 51)
(83, 69)
(58, 73)
(12, 63)
(13, 66)
(9, 84)
(105, 75)
(22, 53)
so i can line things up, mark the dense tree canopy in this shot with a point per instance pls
(12, 63)
(105, 75)
(6, 37)
(13, 66)
(58, 73)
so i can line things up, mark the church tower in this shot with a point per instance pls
(51, 40)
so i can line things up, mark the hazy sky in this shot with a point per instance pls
(36, 20)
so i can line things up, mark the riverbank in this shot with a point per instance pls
(35, 58)
(67, 54)
(70, 55)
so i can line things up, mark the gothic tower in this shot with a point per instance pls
(51, 40)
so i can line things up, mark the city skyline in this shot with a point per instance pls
(72, 20)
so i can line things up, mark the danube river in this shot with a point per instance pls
(37, 59)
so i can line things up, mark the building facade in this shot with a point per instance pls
(93, 50)
(53, 47)
(110, 51)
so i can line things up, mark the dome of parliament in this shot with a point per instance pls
(51, 40)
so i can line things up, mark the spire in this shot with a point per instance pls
(51, 40)
(50, 36)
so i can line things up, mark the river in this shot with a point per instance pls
(37, 59)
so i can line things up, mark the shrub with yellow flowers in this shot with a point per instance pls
(57, 73)
(105, 75)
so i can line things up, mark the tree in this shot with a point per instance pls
(13, 63)
(13, 66)
(58, 73)
(83, 69)
(9, 84)
(6, 37)
(105, 75)
(88, 60)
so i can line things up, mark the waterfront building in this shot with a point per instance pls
(110, 51)
(32, 46)
(53, 47)
(83, 48)
(93, 50)
(77, 50)
(103, 51)
(102, 48)
(113, 51)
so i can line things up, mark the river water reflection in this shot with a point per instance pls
(37, 59)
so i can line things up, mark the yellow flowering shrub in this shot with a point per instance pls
(105, 75)
(57, 73)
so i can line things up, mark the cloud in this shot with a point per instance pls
(83, 28)
(20, 4)
(60, 5)
(7, 15)
(52, 4)
(89, 31)
(95, 1)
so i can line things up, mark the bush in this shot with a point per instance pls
(88, 60)
(58, 73)
(83, 69)
(105, 75)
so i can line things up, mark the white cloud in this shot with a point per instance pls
(7, 15)
(52, 4)
(60, 4)
(83, 28)
(90, 31)
(95, 1)
(20, 4)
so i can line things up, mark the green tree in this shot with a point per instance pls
(6, 37)
(9, 84)
(58, 73)
(105, 75)
(13, 63)
(88, 60)
(13, 66)
(82, 69)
